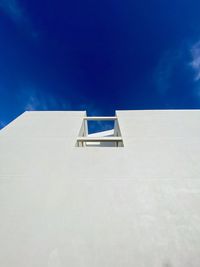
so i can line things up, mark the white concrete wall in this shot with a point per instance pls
(134, 206)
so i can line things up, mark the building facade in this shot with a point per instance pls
(124, 197)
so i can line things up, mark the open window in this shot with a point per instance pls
(102, 137)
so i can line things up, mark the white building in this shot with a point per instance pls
(123, 198)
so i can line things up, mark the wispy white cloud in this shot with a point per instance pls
(163, 74)
(195, 63)
(32, 99)
(2, 124)
(13, 9)
(33, 103)
(177, 75)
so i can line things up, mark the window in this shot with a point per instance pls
(104, 137)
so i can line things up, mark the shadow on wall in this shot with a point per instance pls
(167, 264)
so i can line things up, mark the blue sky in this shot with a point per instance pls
(98, 56)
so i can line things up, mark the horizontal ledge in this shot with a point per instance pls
(100, 118)
(99, 139)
